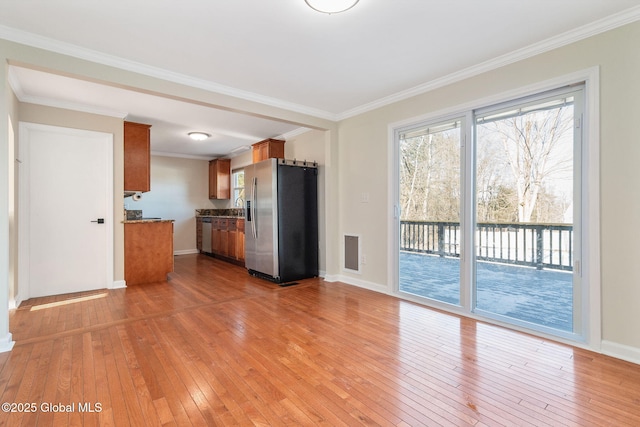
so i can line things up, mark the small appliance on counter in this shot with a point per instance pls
(281, 235)
(133, 215)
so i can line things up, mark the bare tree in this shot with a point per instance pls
(521, 163)
(537, 148)
(430, 177)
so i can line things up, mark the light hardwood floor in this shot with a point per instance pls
(214, 346)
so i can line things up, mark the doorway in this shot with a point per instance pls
(491, 206)
(527, 216)
(66, 210)
(430, 190)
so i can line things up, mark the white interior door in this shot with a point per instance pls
(66, 210)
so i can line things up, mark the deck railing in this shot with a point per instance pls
(534, 245)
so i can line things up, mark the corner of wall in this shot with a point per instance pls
(620, 351)
(119, 284)
(6, 343)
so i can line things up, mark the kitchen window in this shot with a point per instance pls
(237, 182)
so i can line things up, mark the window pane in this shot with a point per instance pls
(430, 206)
(524, 213)
(237, 179)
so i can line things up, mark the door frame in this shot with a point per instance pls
(578, 141)
(24, 208)
(591, 334)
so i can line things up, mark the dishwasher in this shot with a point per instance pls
(206, 235)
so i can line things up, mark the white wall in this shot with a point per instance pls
(179, 186)
(6, 140)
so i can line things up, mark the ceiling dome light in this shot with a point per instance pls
(198, 136)
(331, 6)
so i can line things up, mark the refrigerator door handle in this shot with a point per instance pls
(254, 191)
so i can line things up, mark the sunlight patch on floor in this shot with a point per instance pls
(68, 301)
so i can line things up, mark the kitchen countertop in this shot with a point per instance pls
(219, 216)
(144, 220)
(220, 213)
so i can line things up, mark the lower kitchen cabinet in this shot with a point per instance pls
(148, 251)
(231, 239)
(215, 236)
(199, 234)
(227, 238)
(240, 240)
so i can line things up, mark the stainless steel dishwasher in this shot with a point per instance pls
(206, 235)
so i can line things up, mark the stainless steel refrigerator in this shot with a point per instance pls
(281, 217)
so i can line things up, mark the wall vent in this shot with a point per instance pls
(351, 252)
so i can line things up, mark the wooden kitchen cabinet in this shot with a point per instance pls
(137, 157)
(148, 251)
(232, 232)
(215, 236)
(240, 239)
(227, 238)
(220, 179)
(267, 149)
(199, 234)
(223, 226)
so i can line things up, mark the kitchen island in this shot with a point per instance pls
(148, 250)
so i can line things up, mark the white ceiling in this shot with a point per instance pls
(284, 54)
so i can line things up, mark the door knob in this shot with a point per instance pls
(99, 221)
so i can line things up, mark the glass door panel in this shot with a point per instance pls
(524, 213)
(430, 235)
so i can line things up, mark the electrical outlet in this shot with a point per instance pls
(364, 197)
(363, 259)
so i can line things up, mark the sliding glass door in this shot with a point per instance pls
(430, 211)
(527, 160)
(497, 234)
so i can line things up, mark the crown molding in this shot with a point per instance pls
(231, 155)
(37, 41)
(292, 134)
(609, 23)
(181, 156)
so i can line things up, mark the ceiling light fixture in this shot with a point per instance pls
(198, 136)
(331, 6)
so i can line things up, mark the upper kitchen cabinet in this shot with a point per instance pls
(267, 149)
(220, 179)
(137, 157)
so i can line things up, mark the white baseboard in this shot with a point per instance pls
(15, 303)
(372, 286)
(6, 343)
(620, 351)
(119, 284)
(186, 252)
